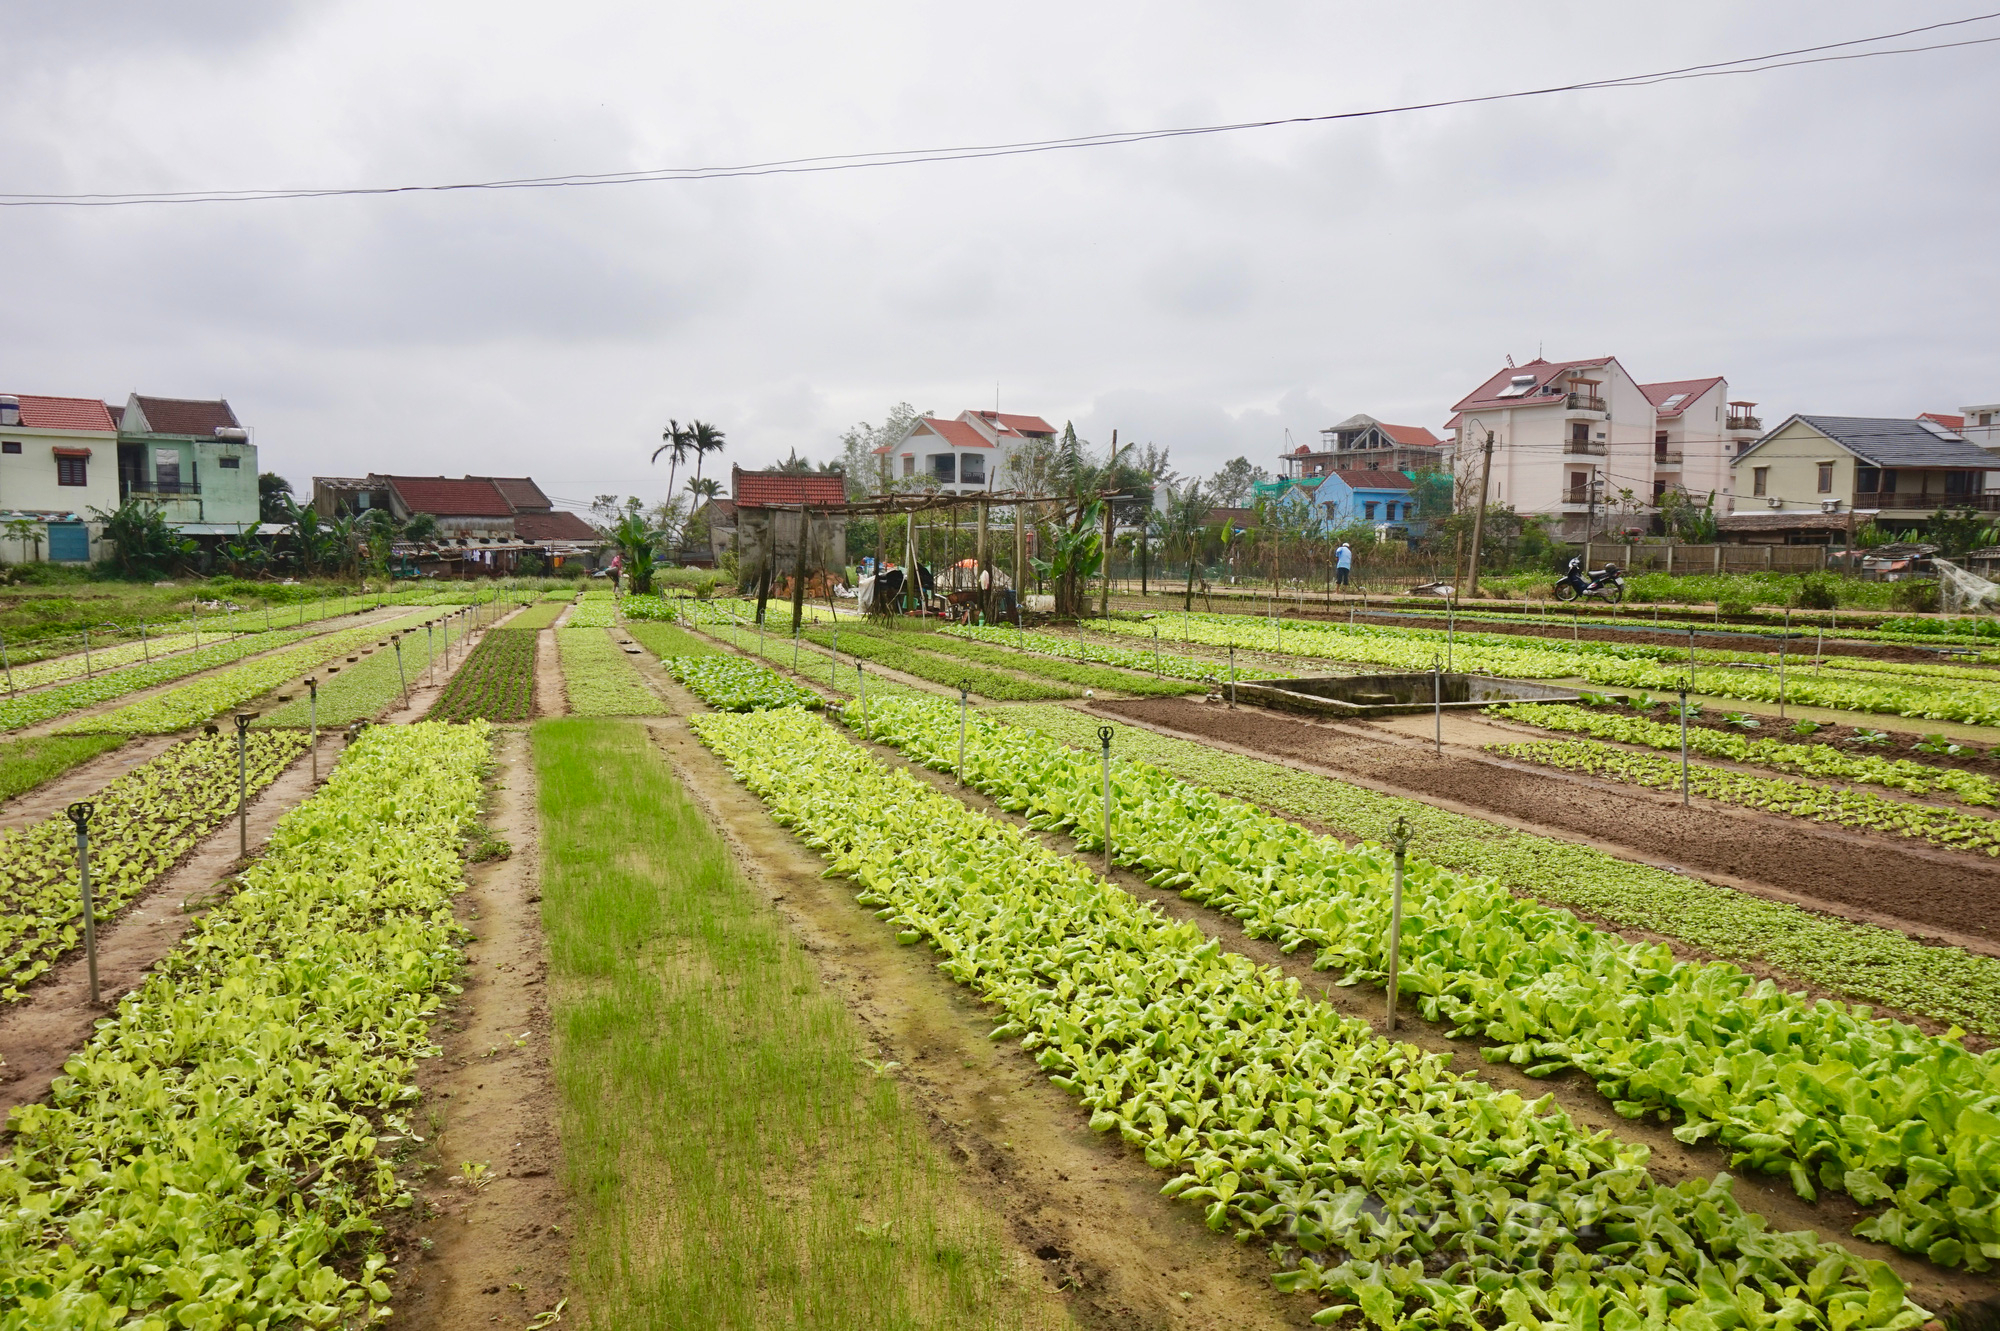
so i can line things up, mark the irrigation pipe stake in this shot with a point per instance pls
(1437, 703)
(1781, 662)
(961, 734)
(396, 641)
(833, 671)
(861, 679)
(312, 722)
(1684, 747)
(1400, 840)
(1104, 738)
(1232, 674)
(86, 651)
(79, 813)
(145, 647)
(9, 668)
(430, 641)
(1156, 649)
(243, 720)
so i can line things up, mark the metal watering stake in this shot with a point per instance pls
(1684, 747)
(243, 720)
(1104, 738)
(430, 645)
(1399, 839)
(961, 734)
(1232, 674)
(1437, 703)
(9, 668)
(312, 722)
(79, 813)
(86, 651)
(1156, 649)
(145, 647)
(396, 641)
(1781, 662)
(861, 678)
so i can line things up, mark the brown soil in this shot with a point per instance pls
(1671, 1161)
(39, 1033)
(496, 1251)
(1084, 1206)
(1900, 744)
(1876, 878)
(550, 700)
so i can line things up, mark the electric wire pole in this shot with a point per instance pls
(1479, 514)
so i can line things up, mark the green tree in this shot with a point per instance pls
(678, 443)
(143, 543)
(1184, 529)
(639, 543)
(858, 443)
(1957, 531)
(1231, 486)
(704, 439)
(23, 530)
(274, 492)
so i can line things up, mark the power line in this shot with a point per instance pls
(1758, 64)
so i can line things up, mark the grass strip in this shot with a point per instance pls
(1859, 809)
(201, 699)
(600, 679)
(368, 687)
(1081, 673)
(594, 611)
(734, 1161)
(495, 683)
(216, 1155)
(145, 821)
(664, 640)
(1813, 1091)
(1810, 759)
(540, 615)
(1861, 961)
(28, 763)
(1432, 1199)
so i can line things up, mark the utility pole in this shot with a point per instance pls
(1110, 473)
(1479, 514)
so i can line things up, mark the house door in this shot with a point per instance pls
(69, 542)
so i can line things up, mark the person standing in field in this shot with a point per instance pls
(1343, 564)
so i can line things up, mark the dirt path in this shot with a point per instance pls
(1671, 1161)
(1931, 894)
(550, 700)
(1085, 1207)
(39, 1033)
(494, 1251)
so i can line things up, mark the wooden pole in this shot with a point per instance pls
(799, 570)
(984, 573)
(1020, 557)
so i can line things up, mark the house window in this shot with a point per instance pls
(1986, 418)
(909, 465)
(167, 470)
(1826, 478)
(944, 467)
(72, 471)
(972, 469)
(1368, 510)
(1888, 481)
(231, 463)
(1961, 482)
(1659, 491)
(1760, 478)
(11, 446)
(1867, 480)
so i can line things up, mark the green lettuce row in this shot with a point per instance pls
(28, 709)
(1082, 674)
(842, 676)
(1820, 1092)
(144, 822)
(733, 684)
(495, 683)
(592, 612)
(953, 674)
(214, 1157)
(1818, 760)
(102, 658)
(1615, 665)
(1389, 1184)
(373, 684)
(600, 679)
(1130, 658)
(201, 699)
(1858, 809)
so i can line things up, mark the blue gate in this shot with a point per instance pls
(69, 543)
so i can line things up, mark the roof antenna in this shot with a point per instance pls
(1538, 348)
(996, 397)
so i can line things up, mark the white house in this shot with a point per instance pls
(1585, 445)
(58, 461)
(974, 451)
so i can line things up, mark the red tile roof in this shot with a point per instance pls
(1543, 370)
(756, 489)
(1414, 436)
(1375, 480)
(554, 527)
(180, 415)
(956, 433)
(64, 413)
(474, 497)
(522, 493)
(1020, 424)
(1952, 423)
(1690, 389)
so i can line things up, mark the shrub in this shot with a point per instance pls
(1817, 591)
(1917, 597)
(1734, 601)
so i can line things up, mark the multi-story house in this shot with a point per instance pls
(977, 450)
(1362, 443)
(1588, 447)
(192, 459)
(1978, 425)
(1815, 476)
(56, 456)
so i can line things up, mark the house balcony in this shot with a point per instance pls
(1584, 448)
(1583, 402)
(1928, 502)
(1666, 457)
(1576, 496)
(1745, 423)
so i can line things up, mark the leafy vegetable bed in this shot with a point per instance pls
(1618, 665)
(1402, 1190)
(211, 1157)
(201, 699)
(103, 658)
(370, 686)
(28, 763)
(1776, 794)
(938, 669)
(597, 610)
(664, 640)
(145, 821)
(1825, 1094)
(736, 685)
(1006, 658)
(600, 679)
(541, 615)
(29, 708)
(495, 683)
(1820, 760)
(1129, 658)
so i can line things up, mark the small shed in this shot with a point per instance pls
(768, 519)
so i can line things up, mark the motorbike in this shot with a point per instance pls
(1607, 584)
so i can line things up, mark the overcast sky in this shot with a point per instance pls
(1825, 237)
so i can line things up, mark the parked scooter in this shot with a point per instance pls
(1607, 584)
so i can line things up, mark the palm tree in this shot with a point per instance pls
(679, 439)
(705, 439)
(1184, 528)
(704, 489)
(639, 543)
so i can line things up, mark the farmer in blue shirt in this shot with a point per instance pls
(1343, 561)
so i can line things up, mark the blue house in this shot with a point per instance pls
(1376, 498)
